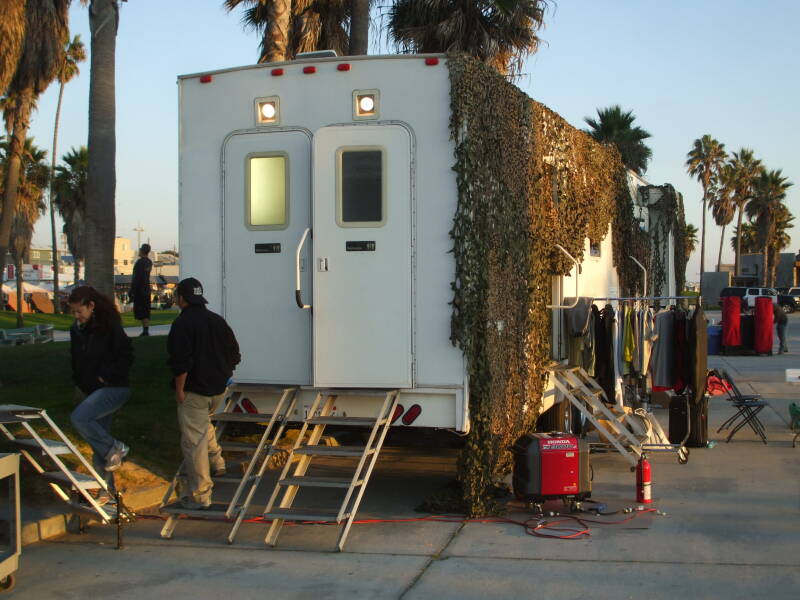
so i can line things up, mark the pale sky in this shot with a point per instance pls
(685, 68)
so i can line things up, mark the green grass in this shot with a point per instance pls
(39, 375)
(8, 319)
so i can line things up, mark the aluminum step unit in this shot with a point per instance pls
(74, 488)
(257, 458)
(307, 447)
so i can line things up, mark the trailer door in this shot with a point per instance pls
(267, 206)
(362, 257)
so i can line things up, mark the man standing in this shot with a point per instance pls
(140, 288)
(202, 355)
(780, 326)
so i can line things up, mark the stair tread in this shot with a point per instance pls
(332, 450)
(305, 514)
(217, 509)
(109, 509)
(355, 421)
(86, 482)
(313, 481)
(241, 417)
(55, 446)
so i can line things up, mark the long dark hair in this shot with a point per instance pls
(106, 314)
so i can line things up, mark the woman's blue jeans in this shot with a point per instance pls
(92, 419)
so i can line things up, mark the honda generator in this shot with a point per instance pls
(551, 465)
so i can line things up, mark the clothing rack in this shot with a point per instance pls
(647, 298)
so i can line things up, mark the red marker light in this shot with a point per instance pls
(343, 67)
(309, 70)
(431, 61)
(412, 414)
(398, 410)
(205, 78)
(276, 72)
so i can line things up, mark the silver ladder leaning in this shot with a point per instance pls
(63, 480)
(259, 458)
(318, 418)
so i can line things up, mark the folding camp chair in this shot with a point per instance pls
(794, 413)
(747, 408)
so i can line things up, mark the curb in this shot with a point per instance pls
(57, 525)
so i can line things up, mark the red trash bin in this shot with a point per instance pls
(763, 325)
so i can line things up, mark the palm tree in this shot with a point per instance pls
(70, 199)
(359, 27)
(33, 176)
(745, 168)
(723, 208)
(704, 161)
(46, 30)
(102, 180)
(501, 34)
(12, 34)
(312, 25)
(613, 126)
(75, 53)
(781, 238)
(769, 193)
(690, 240)
(747, 242)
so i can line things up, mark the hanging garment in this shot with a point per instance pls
(604, 351)
(636, 365)
(698, 355)
(619, 332)
(576, 321)
(646, 336)
(589, 341)
(682, 370)
(662, 359)
(731, 315)
(628, 340)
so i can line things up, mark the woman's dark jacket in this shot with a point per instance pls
(99, 354)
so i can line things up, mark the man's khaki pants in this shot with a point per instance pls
(199, 443)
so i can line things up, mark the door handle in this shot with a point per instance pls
(298, 291)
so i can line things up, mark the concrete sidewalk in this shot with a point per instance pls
(731, 530)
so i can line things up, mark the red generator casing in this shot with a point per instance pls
(551, 465)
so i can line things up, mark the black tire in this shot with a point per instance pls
(787, 309)
(7, 584)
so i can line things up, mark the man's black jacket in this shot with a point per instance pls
(140, 280)
(201, 344)
(97, 353)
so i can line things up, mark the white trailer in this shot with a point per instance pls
(316, 200)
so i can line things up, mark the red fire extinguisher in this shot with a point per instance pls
(644, 492)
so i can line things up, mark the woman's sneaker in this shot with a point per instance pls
(116, 455)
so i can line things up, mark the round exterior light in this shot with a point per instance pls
(366, 104)
(268, 111)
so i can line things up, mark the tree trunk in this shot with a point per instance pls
(19, 128)
(56, 303)
(102, 180)
(765, 251)
(719, 257)
(738, 257)
(359, 27)
(703, 246)
(76, 271)
(276, 40)
(18, 269)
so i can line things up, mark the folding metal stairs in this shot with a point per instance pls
(258, 456)
(584, 393)
(307, 448)
(71, 486)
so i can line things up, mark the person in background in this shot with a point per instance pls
(101, 355)
(140, 288)
(203, 353)
(780, 326)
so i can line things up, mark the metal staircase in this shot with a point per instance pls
(72, 487)
(307, 448)
(257, 459)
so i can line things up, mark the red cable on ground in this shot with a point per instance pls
(533, 526)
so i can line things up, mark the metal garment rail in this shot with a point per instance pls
(695, 298)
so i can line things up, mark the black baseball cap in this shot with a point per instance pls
(191, 290)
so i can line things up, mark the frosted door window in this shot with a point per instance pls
(266, 192)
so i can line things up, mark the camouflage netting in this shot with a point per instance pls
(527, 180)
